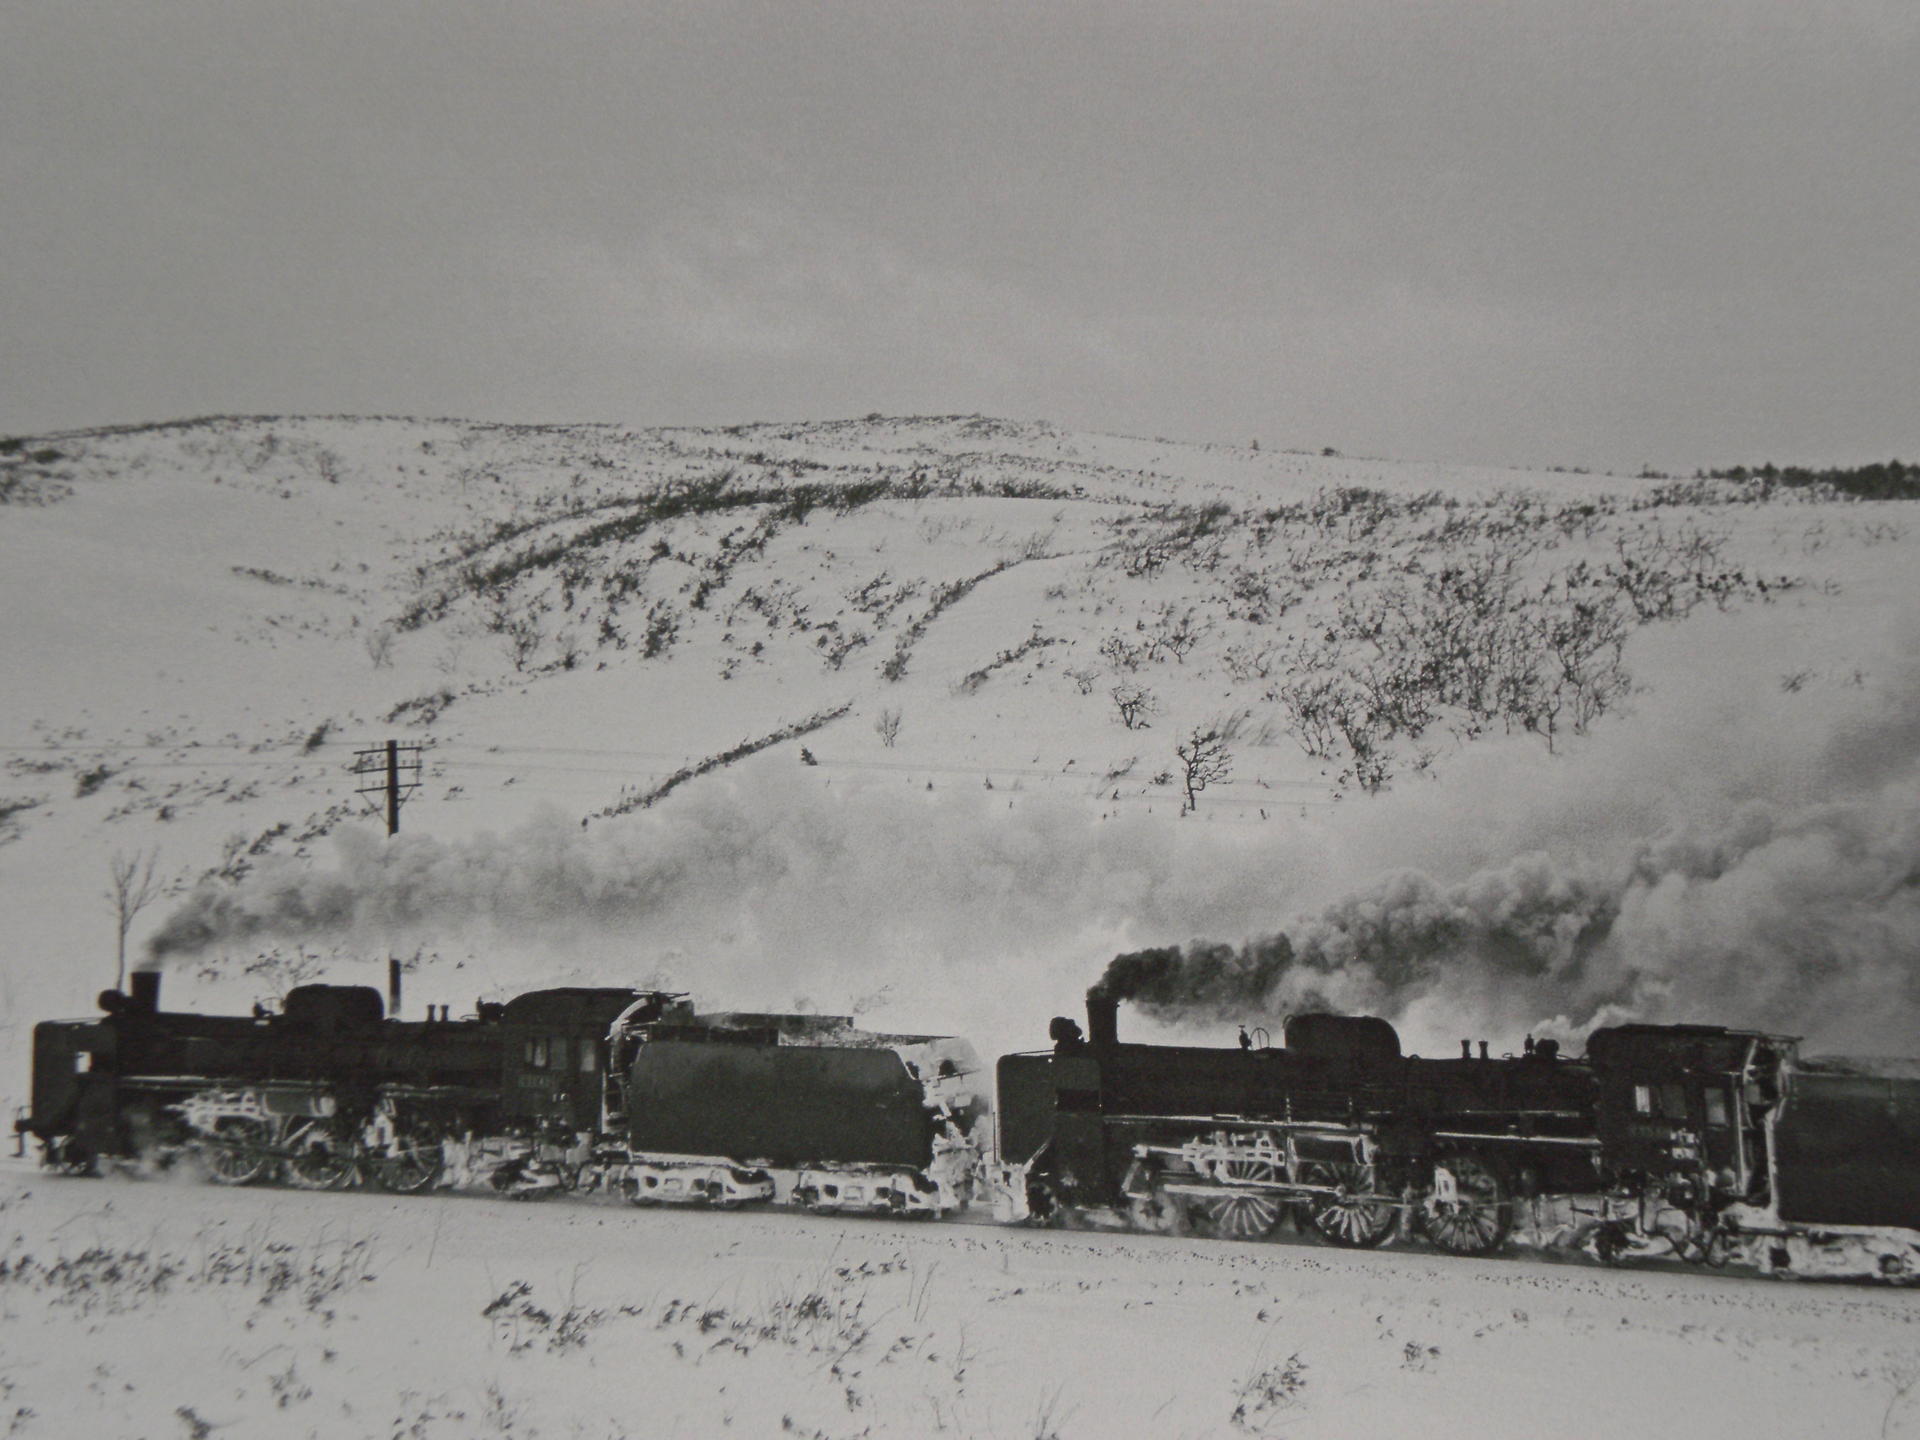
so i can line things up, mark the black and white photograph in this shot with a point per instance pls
(1046, 721)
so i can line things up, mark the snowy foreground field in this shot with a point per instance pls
(135, 1309)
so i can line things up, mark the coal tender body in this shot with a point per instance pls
(726, 1109)
(1795, 1164)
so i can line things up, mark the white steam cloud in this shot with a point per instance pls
(1731, 853)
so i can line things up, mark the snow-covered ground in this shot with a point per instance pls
(136, 1309)
(835, 716)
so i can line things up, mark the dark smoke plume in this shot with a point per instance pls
(1805, 921)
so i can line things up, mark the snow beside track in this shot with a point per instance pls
(153, 1309)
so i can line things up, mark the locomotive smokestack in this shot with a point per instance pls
(143, 991)
(393, 987)
(1103, 1021)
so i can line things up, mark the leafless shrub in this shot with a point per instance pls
(1176, 633)
(835, 647)
(973, 680)
(91, 779)
(663, 629)
(1318, 709)
(895, 666)
(1881, 532)
(631, 800)
(1124, 654)
(519, 625)
(11, 807)
(1133, 704)
(423, 708)
(1268, 1394)
(881, 596)
(1664, 576)
(1250, 662)
(523, 1323)
(887, 726)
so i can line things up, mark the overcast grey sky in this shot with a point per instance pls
(1599, 232)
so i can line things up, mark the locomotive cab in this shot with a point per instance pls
(556, 1055)
(1685, 1106)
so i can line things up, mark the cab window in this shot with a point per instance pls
(1718, 1108)
(1666, 1101)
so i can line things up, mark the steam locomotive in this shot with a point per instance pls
(1711, 1144)
(1696, 1140)
(627, 1090)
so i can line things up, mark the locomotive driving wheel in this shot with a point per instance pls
(1349, 1216)
(1241, 1217)
(239, 1151)
(1467, 1210)
(412, 1164)
(319, 1157)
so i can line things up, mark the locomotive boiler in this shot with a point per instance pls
(327, 1089)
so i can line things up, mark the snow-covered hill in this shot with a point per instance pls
(889, 715)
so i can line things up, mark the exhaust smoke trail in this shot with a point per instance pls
(1804, 921)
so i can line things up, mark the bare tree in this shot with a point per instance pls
(1133, 704)
(887, 727)
(131, 888)
(1204, 759)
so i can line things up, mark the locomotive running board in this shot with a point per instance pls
(1276, 1191)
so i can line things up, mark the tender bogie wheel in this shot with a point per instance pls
(1468, 1210)
(1241, 1217)
(238, 1152)
(1346, 1218)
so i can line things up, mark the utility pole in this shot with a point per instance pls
(394, 771)
(385, 766)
